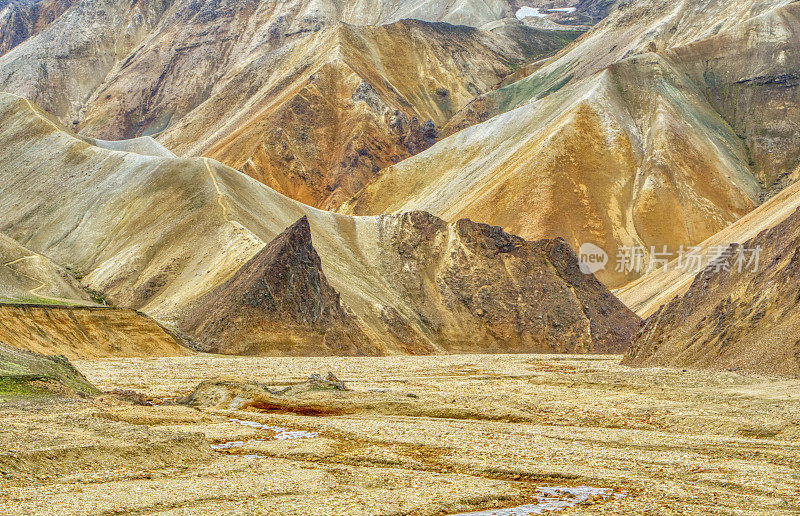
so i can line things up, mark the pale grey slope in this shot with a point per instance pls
(61, 67)
(740, 53)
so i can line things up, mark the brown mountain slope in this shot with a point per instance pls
(63, 67)
(279, 302)
(86, 332)
(647, 294)
(157, 233)
(473, 286)
(661, 126)
(284, 91)
(634, 155)
(315, 121)
(728, 319)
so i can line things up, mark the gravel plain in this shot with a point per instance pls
(486, 432)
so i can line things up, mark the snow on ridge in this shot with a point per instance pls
(529, 12)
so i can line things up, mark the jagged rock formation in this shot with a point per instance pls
(279, 302)
(157, 233)
(28, 277)
(86, 332)
(505, 293)
(746, 320)
(23, 373)
(22, 19)
(661, 126)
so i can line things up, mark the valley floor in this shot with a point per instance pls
(457, 434)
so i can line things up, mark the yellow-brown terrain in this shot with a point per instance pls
(649, 130)
(156, 233)
(659, 287)
(583, 149)
(85, 332)
(733, 317)
(310, 98)
(227, 227)
(28, 277)
(482, 432)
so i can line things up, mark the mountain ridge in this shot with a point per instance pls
(155, 233)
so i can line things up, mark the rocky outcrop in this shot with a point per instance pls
(86, 332)
(475, 287)
(741, 313)
(465, 287)
(278, 303)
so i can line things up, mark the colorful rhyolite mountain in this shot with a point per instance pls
(661, 126)
(192, 243)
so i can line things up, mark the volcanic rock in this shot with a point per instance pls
(279, 302)
(742, 316)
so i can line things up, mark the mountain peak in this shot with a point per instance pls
(279, 299)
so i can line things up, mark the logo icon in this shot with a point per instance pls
(592, 258)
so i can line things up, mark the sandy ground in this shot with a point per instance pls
(491, 430)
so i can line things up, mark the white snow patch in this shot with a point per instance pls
(529, 12)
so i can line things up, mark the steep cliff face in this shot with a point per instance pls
(158, 234)
(737, 316)
(278, 303)
(85, 332)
